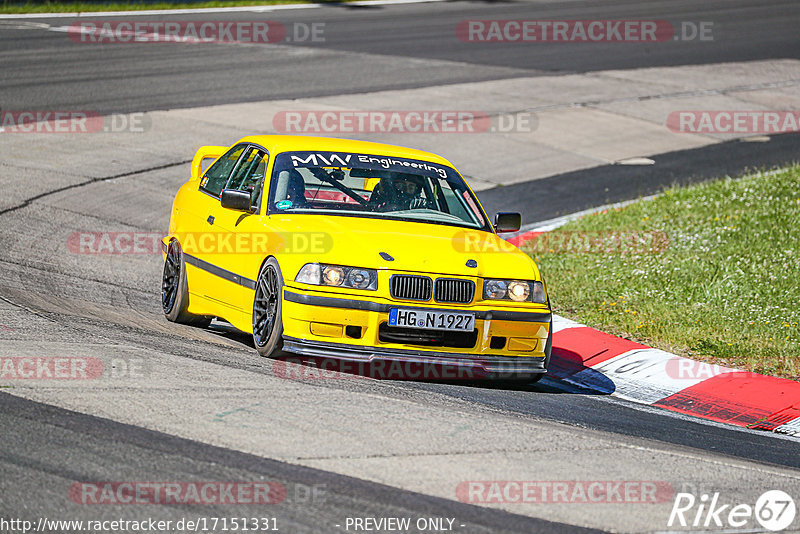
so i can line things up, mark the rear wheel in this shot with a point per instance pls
(175, 291)
(267, 308)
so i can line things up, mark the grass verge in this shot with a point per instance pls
(83, 7)
(709, 271)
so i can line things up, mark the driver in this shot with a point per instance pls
(399, 193)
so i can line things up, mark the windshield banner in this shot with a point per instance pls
(360, 161)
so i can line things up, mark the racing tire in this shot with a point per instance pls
(548, 346)
(267, 310)
(548, 349)
(175, 290)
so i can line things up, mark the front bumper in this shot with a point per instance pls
(412, 364)
(315, 325)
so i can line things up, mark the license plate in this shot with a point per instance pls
(431, 319)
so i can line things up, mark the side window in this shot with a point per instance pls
(249, 171)
(216, 176)
(249, 174)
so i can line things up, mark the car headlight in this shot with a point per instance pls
(495, 289)
(332, 275)
(519, 291)
(361, 279)
(516, 290)
(320, 274)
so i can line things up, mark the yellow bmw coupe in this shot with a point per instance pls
(354, 251)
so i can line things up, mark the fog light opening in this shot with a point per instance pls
(353, 331)
(497, 342)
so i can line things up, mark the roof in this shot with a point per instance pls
(304, 143)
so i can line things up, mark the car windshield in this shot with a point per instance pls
(372, 186)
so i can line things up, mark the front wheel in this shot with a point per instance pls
(175, 290)
(548, 346)
(267, 308)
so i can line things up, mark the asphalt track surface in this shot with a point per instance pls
(366, 49)
(83, 439)
(607, 184)
(37, 71)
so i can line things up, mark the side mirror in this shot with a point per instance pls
(506, 221)
(233, 199)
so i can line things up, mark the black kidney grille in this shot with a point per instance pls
(454, 290)
(403, 286)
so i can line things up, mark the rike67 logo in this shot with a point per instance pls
(774, 510)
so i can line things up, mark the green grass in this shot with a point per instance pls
(81, 7)
(725, 289)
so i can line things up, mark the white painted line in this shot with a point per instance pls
(552, 224)
(755, 139)
(792, 428)
(151, 12)
(23, 25)
(390, 2)
(236, 9)
(635, 161)
(558, 222)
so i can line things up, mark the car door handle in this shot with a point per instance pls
(210, 219)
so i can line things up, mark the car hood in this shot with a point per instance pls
(414, 246)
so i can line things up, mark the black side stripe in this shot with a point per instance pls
(218, 271)
(330, 302)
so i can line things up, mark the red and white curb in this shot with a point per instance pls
(590, 359)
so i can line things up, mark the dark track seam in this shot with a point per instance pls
(40, 196)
